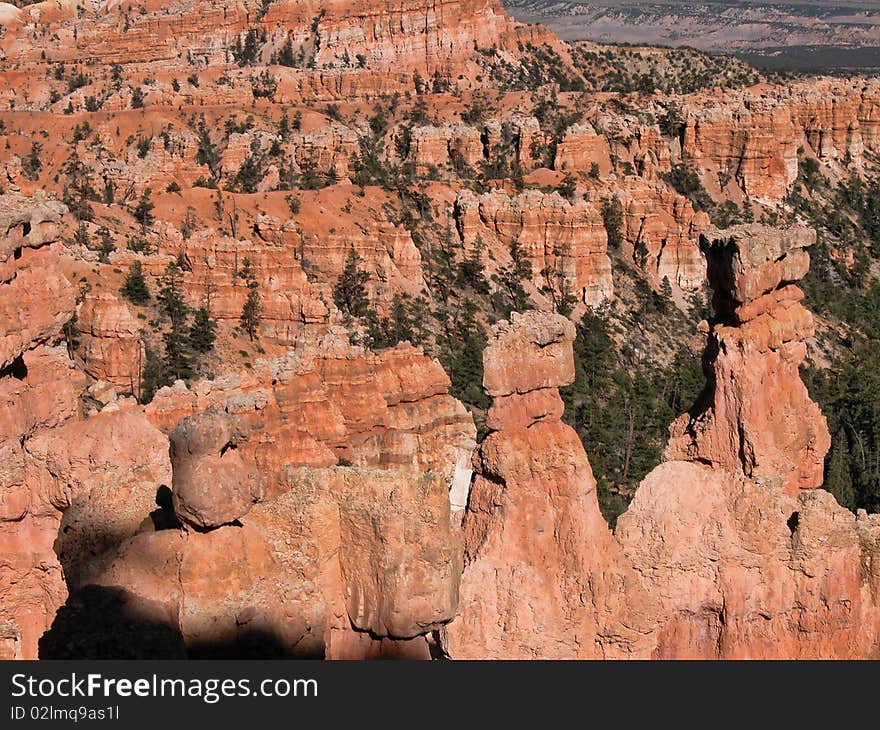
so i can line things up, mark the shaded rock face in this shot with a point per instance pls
(102, 474)
(105, 471)
(37, 393)
(543, 576)
(82, 498)
(755, 415)
(347, 563)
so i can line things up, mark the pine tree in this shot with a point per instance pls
(153, 376)
(472, 272)
(612, 217)
(443, 268)
(510, 280)
(246, 271)
(178, 362)
(350, 293)
(137, 98)
(568, 188)
(81, 236)
(250, 313)
(401, 320)
(171, 295)
(203, 331)
(143, 211)
(135, 287)
(838, 476)
(463, 358)
(378, 331)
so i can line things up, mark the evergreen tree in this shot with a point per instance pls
(350, 294)
(612, 217)
(472, 272)
(401, 326)
(568, 187)
(153, 376)
(838, 475)
(171, 295)
(135, 287)
(621, 409)
(684, 384)
(378, 331)
(250, 174)
(178, 362)
(250, 313)
(463, 358)
(510, 280)
(246, 271)
(81, 236)
(143, 211)
(203, 331)
(107, 246)
(443, 268)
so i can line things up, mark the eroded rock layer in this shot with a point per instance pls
(543, 577)
(757, 416)
(328, 501)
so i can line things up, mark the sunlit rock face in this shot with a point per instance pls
(757, 416)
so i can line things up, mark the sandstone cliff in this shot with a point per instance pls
(756, 340)
(307, 496)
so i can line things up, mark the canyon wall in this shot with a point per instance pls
(307, 496)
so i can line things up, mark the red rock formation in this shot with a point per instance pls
(713, 559)
(663, 230)
(755, 134)
(105, 471)
(345, 564)
(334, 401)
(444, 148)
(36, 393)
(581, 148)
(109, 343)
(757, 416)
(330, 39)
(212, 486)
(543, 576)
(295, 261)
(36, 298)
(757, 148)
(742, 570)
(706, 563)
(562, 241)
